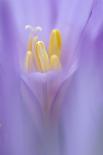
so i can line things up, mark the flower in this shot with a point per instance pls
(57, 111)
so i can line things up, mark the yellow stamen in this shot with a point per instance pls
(29, 61)
(29, 48)
(32, 42)
(37, 56)
(55, 62)
(35, 39)
(41, 56)
(55, 43)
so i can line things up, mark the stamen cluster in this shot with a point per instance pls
(40, 59)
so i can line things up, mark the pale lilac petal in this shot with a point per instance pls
(84, 100)
(14, 117)
(72, 19)
(35, 13)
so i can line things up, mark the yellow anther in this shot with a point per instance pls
(29, 61)
(41, 56)
(55, 43)
(55, 62)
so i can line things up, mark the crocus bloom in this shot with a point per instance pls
(50, 103)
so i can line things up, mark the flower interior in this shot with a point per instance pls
(41, 58)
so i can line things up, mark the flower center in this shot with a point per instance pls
(38, 57)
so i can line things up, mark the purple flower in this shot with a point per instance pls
(55, 112)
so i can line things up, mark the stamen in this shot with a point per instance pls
(37, 56)
(29, 48)
(29, 61)
(55, 62)
(41, 56)
(55, 43)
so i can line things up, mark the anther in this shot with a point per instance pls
(29, 61)
(55, 43)
(41, 56)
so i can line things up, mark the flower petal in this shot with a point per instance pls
(15, 122)
(82, 106)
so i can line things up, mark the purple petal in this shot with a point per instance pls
(83, 103)
(16, 124)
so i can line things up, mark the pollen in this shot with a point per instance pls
(38, 57)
